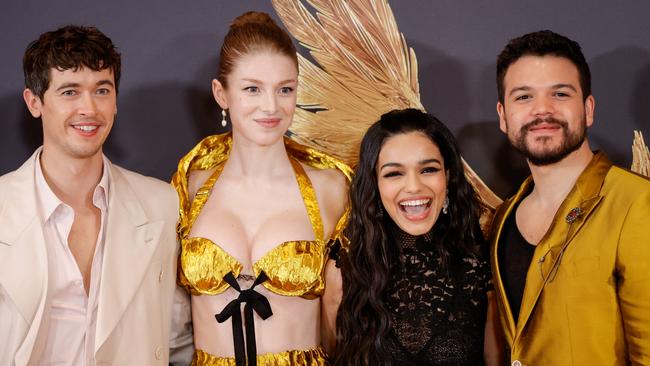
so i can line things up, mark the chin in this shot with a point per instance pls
(416, 229)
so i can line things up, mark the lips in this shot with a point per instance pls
(415, 209)
(268, 122)
(545, 127)
(545, 124)
(86, 129)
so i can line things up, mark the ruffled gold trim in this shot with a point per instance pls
(312, 357)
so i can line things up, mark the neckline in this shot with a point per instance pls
(409, 241)
(307, 194)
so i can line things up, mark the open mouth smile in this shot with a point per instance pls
(416, 209)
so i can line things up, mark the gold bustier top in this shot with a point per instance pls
(293, 268)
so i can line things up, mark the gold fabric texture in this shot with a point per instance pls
(294, 268)
(312, 357)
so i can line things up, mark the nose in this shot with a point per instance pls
(543, 106)
(270, 104)
(87, 105)
(412, 183)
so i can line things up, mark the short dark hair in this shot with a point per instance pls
(69, 47)
(542, 43)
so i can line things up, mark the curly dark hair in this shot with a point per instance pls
(542, 43)
(69, 47)
(363, 321)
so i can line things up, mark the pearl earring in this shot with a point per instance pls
(223, 118)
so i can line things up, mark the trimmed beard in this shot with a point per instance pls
(570, 143)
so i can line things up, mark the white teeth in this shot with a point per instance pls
(86, 128)
(415, 202)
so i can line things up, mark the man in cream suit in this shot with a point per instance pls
(88, 250)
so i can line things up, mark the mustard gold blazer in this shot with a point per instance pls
(587, 294)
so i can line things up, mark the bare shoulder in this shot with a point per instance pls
(331, 188)
(330, 184)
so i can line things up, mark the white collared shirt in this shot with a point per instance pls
(71, 313)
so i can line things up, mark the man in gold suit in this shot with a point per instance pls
(571, 249)
(88, 250)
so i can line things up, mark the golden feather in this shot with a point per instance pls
(640, 155)
(365, 68)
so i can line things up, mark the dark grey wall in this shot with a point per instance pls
(170, 48)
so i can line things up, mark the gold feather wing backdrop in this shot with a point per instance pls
(365, 68)
(640, 155)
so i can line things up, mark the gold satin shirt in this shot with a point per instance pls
(294, 268)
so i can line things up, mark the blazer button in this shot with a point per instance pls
(158, 353)
(160, 276)
(516, 363)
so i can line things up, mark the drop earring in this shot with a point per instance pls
(223, 118)
(445, 205)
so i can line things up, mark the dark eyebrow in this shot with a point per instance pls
(429, 161)
(388, 165)
(76, 85)
(556, 86)
(518, 89)
(67, 85)
(569, 86)
(421, 162)
(105, 82)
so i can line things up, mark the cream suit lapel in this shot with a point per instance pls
(23, 257)
(130, 242)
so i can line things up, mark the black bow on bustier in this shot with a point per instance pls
(245, 354)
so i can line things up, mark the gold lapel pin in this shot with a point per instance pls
(573, 215)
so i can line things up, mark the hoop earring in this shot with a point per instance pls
(223, 118)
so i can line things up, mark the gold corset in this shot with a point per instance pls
(293, 268)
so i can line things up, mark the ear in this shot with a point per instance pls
(219, 94)
(590, 105)
(33, 102)
(501, 110)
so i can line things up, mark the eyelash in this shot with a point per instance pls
(286, 90)
(430, 170)
(426, 170)
(392, 174)
(282, 90)
(556, 94)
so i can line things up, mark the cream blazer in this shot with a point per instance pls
(137, 293)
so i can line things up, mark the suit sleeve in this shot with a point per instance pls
(633, 270)
(181, 345)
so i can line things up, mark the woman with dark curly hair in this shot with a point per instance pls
(415, 275)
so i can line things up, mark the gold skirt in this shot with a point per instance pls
(312, 357)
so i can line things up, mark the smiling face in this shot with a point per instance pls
(544, 113)
(77, 112)
(261, 96)
(412, 181)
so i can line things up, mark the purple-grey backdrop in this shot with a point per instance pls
(170, 48)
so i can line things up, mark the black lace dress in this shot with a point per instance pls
(436, 318)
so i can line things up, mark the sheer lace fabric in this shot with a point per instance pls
(436, 318)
